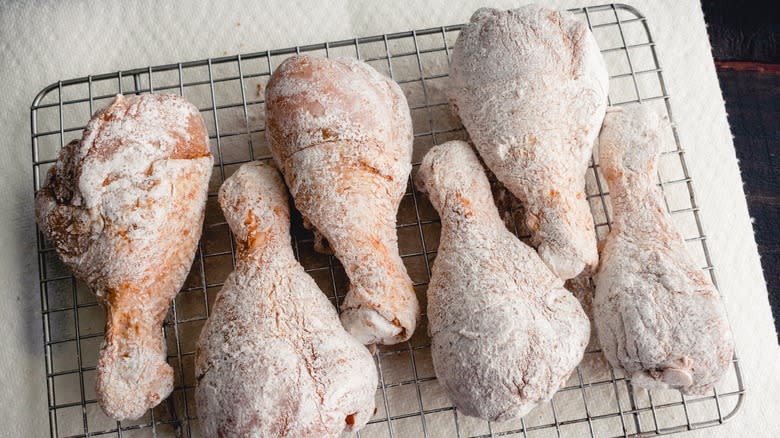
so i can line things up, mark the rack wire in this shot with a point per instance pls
(597, 400)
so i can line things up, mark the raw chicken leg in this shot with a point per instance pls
(273, 359)
(658, 316)
(506, 334)
(342, 135)
(124, 209)
(531, 88)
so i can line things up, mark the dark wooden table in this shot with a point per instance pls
(744, 43)
(754, 115)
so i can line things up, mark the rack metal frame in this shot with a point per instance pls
(61, 110)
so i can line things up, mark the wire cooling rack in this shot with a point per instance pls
(597, 401)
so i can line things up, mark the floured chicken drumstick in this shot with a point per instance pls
(273, 359)
(342, 135)
(658, 316)
(506, 334)
(531, 89)
(124, 209)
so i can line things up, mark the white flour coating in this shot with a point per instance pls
(124, 209)
(273, 359)
(342, 135)
(658, 315)
(505, 333)
(530, 86)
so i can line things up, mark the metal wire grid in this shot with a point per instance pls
(597, 401)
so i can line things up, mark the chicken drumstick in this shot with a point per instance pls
(273, 359)
(341, 133)
(530, 86)
(506, 334)
(659, 317)
(124, 209)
